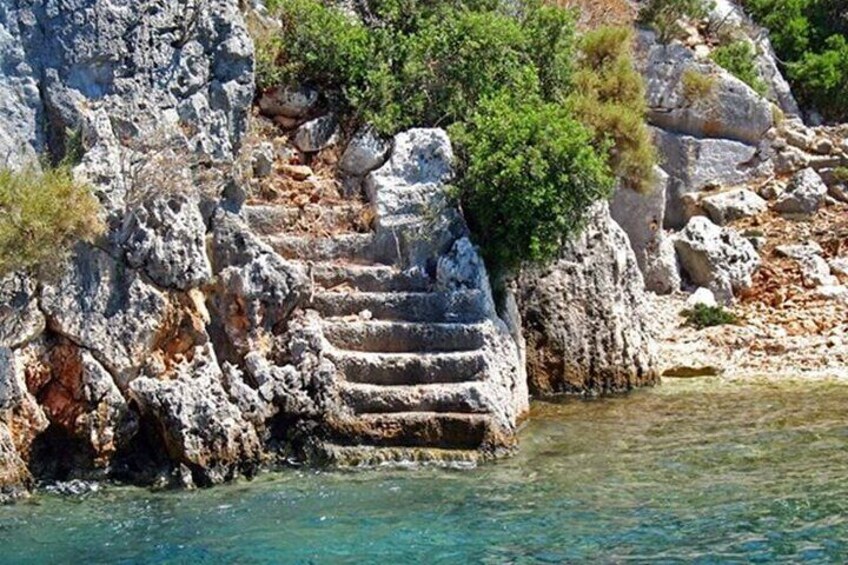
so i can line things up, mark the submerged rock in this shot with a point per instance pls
(586, 316)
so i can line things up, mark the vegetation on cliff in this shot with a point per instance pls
(42, 214)
(811, 39)
(508, 84)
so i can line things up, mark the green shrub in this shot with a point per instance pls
(697, 86)
(663, 15)
(739, 58)
(703, 316)
(840, 174)
(42, 214)
(530, 175)
(809, 37)
(609, 97)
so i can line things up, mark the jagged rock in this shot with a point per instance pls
(108, 309)
(21, 321)
(694, 164)
(255, 289)
(702, 296)
(716, 258)
(733, 205)
(642, 217)
(731, 110)
(262, 160)
(771, 190)
(14, 475)
(202, 429)
(790, 159)
(799, 251)
(586, 316)
(804, 195)
(166, 238)
(366, 152)
(409, 196)
(290, 102)
(839, 266)
(317, 134)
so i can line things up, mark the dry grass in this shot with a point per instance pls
(596, 13)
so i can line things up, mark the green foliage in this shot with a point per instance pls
(495, 75)
(42, 214)
(703, 316)
(810, 38)
(840, 174)
(739, 58)
(609, 97)
(530, 174)
(663, 15)
(697, 86)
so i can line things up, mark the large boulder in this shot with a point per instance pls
(201, 427)
(732, 205)
(804, 195)
(716, 258)
(586, 317)
(694, 164)
(730, 109)
(414, 217)
(108, 309)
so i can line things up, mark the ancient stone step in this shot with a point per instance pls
(371, 278)
(466, 398)
(269, 219)
(408, 368)
(416, 429)
(373, 456)
(466, 306)
(354, 247)
(403, 337)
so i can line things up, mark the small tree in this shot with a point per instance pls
(664, 15)
(739, 59)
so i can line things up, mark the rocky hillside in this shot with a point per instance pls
(275, 286)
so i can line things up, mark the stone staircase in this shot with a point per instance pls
(419, 369)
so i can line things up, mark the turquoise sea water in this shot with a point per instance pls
(694, 471)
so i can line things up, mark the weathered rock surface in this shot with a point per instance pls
(317, 134)
(289, 102)
(365, 152)
(804, 195)
(166, 238)
(21, 320)
(586, 317)
(733, 205)
(730, 110)
(716, 258)
(202, 429)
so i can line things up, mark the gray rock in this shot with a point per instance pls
(366, 152)
(290, 102)
(409, 194)
(703, 296)
(731, 110)
(694, 164)
(716, 258)
(790, 159)
(166, 238)
(816, 271)
(263, 160)
(201, 427)
(662, 270)
(839, 191)
(733, 205)
(804, 195)
(317, 134)
(839, 266)
(799, 251)
(108, 309)
(586, 318)
(21, 321)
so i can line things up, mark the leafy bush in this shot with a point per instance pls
(530, 174)
(697, 86)
(738, 58)
(663, 15)
(810, 39)
(42, 214)
(703, 316)
(609, 97)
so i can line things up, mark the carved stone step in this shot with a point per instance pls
(354, 247)
(403, 337)
(372, 456)
(441, 307)
(408, 368)
(467, 398)
(269, 219)
(371, 278)
(417, 429)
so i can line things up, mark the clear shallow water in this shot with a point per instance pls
(694, 471)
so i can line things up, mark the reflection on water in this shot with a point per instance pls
(701, 470)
